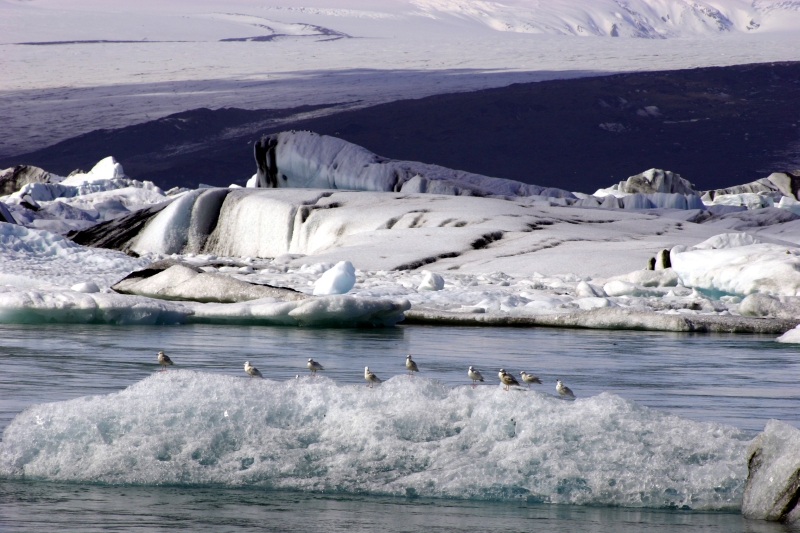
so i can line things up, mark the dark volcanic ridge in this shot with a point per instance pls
(717, 127)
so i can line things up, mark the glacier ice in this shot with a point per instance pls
(772, 490)
(739, 264)
(408, 436)
(337, 280)
(303, 159)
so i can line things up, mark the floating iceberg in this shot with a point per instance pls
(303, 159)
(738, 264)
(406, 437)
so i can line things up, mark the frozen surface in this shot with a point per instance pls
(40, 258)
(400, 49)
(773, 487)
(407, 437)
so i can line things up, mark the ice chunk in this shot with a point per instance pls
(408, 436)
(625, 288)
(773, 482)
(181, 282)
(105, 169)
(431, 281)
(585, 290)
(338, 280)
(593, 303)
(649, 278)
(87, 287)
(792, 336)
(737, 268)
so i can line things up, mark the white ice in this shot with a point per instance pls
(400, 49)
(405, 437)
(338, 280)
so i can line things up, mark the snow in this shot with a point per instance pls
(401, 50)
(772, 488)
(405, 437)
(338, 280)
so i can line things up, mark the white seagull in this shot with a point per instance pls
(164, 360)
(507, 379)
(370, 377)
(314, 366)
(411, 365)
(253, 371)
(563, 390)
(474, 375)
(530, 378)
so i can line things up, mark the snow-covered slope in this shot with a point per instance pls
(107, 67)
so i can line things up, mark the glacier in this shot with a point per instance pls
(408, 437)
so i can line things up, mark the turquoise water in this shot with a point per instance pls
(737, 380)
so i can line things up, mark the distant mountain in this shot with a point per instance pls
(651, 19)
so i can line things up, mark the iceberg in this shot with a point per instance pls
(407, 437)
(304, 159)
(740, 265)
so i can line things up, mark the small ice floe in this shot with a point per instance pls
(314, 366)
(251, 370)
(563, 390)
(370, 377)
(530, 378)
(164, 360)
(411, 365)
(474, 375)
(338, 280)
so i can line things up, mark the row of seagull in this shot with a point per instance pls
(505, 378)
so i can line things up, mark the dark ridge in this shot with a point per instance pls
(427, 261)
(717, 127)
(486, 240)
(116, 234)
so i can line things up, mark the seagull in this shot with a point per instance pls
(530, 378)
(314, 366)
(164, 360)
(370, 377)
(474, 375)
(507, 379)
(253, 371)
(411, 365)
(563, 390)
